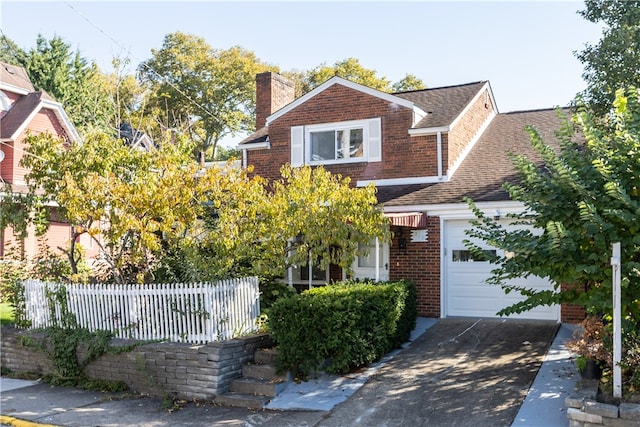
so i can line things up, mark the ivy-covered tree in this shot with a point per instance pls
(205, 92)
(583, 197)
(613, 63)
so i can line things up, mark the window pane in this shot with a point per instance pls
(355, 143)
(468, 256)
(323, 146)
(349, 143)
(317, 273)
(368, 260)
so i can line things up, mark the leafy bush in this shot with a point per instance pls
(343, 326)
(272, 290)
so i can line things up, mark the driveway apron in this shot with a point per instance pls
(460, 372)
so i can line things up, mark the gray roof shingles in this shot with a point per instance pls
(487, 166)
(444, 104)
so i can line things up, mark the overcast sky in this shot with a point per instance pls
(525, 49)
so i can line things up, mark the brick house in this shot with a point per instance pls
(425, 150)
(24, 111)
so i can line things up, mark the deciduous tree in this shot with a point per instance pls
(582, 199)
(207, 92)
(614, 62)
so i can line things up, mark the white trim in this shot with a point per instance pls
(66, 123)
(460, 210)
(428, 131)
(14, 89)
(250, 146)
(403, 181)
(467, 149)
(355, 86)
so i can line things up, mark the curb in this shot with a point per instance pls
(16, 422)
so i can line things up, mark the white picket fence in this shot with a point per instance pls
(194, 312)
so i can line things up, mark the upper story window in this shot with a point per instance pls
(331, 143)
(336, 144)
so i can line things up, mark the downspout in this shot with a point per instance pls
(439, 148)
(244, 158)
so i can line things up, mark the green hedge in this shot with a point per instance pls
(342, 326)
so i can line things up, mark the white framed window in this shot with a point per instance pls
(332, 143)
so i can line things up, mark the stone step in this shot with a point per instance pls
(262, 372)
(257, 387)
(266, 356)
(240, 400)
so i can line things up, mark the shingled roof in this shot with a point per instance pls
(444, 104)
(487, 167)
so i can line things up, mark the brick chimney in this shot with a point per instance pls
(272, 93)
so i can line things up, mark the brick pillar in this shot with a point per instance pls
(272, 93)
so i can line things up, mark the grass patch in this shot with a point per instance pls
(6, 314)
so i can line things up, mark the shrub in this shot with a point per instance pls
(341, 327)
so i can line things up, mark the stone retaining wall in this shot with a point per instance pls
(162, 369)
(584, 411)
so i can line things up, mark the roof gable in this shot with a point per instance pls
(17, 118)
(445, 105)
(355, 86)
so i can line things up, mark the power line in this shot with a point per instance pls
(117, 43)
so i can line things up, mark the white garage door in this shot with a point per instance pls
(466, 293)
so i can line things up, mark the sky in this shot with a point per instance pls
(524, 48)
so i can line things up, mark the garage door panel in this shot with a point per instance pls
(467, 294)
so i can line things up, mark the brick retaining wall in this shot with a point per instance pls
(584, 411)
(185, 371)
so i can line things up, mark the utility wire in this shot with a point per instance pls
(128, 51)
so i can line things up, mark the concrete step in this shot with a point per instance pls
(266, 356)
(240, 400)
(257, 387)
(262, 372)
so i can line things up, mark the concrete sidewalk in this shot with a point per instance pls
(310, 403)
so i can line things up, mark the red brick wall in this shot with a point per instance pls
(570, 313)
(420, 262)
(402, 155)
(467, 128)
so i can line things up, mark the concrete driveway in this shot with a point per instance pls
(460, 372)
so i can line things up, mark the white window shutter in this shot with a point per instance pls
(297, 145)
(375, 140)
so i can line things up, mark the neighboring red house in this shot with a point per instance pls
(425, 151)
(23, 111)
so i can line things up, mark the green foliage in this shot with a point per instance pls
(252, 227)
(408, 83)
(65, 75)
(271, 290)
(6, 314)
(205, 92)
(585, 198)
(118, 197)
(614, 62)
(349, 69)
(344, 326)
